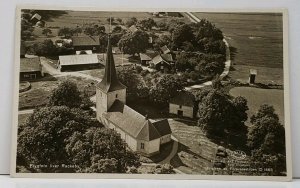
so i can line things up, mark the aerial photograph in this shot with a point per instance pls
(190, 93)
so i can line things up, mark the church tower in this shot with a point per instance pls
(109, 89)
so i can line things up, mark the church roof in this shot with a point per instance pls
(110, 80)
(135, 124)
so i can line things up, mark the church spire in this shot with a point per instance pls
(110, 80)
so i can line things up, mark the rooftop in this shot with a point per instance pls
(78, 59)
(30, 64)
(85, 41)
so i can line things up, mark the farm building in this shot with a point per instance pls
(146, 58)
(165, 50)
(78, 62)
(162, 62)
(141, 134)
(252, 75)
(133, 29)
(36, 17)
(183, 105)
(86, 44)
(30, 68)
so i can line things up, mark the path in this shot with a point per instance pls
(28, 111)
(193, 18)
(172, 153)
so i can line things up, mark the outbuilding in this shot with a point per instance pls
(78, 62)
(30, 68)
(86, 44)
(183, 105)
(162, 62)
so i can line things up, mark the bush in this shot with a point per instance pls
(139, 69)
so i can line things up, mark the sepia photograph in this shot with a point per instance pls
(147, 94)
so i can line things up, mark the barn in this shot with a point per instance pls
(146, 58)
(183, 105)
(162, 62)
(78, 62)
(141, 134)
(30, 68)
(86, 44)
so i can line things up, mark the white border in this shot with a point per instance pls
(151, 176)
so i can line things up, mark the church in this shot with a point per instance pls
(141, 134)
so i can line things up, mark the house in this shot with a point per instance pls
(165, 50)
(141, 134)
(30, 68)
(78, 62)
(147, 57)
(162, 62)
(133, 29)
(183, 105)
(86, 44)
(35, 18)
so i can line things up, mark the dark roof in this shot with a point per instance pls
(184, 98)
(85, 41)
(162, 58)
(165, 49)
(131, 122)
(30, 64)
(162, 127)
(78, 59)
(110, 81)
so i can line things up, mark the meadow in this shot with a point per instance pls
(256, 97)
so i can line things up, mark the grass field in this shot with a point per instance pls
(40, 90)
(257, 97)
(196, 152)
(256, 39)
(265, 75)
(22, 118)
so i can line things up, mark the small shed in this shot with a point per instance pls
(30, 68)
(252, 76)
(78, 62)
(133, 29)
(36, 17)
(183, 104)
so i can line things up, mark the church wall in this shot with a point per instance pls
(150, 147)
(114, 95)
(165, 139)
(101, 104)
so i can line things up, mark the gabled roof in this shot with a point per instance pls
(78, 59)
(131, 122)
(162, 57)
(163, 127)
(85, 41)
(184, 98)
(147, 56)
(36, 16)
(165, 49)
(30, 64)
(253, 71)
(110, 80)
(133, 28)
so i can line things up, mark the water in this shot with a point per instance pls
(257, 39)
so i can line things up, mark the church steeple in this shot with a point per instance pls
(110, 80)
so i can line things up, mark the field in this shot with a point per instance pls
(40, 90)
(195, 153)
(257, 97)
(256, 39)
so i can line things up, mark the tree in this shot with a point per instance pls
(181, 34)
(162, 40)
(100, 150)
(46, 48)
(147, 24)
(166, 88)
(134, 43)
(77, 30)
(131, 21)
(66, 94)
(65, 31)
(42, 139)
(220, 115)
(46, 31)
(95, 30)
(266, 139)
